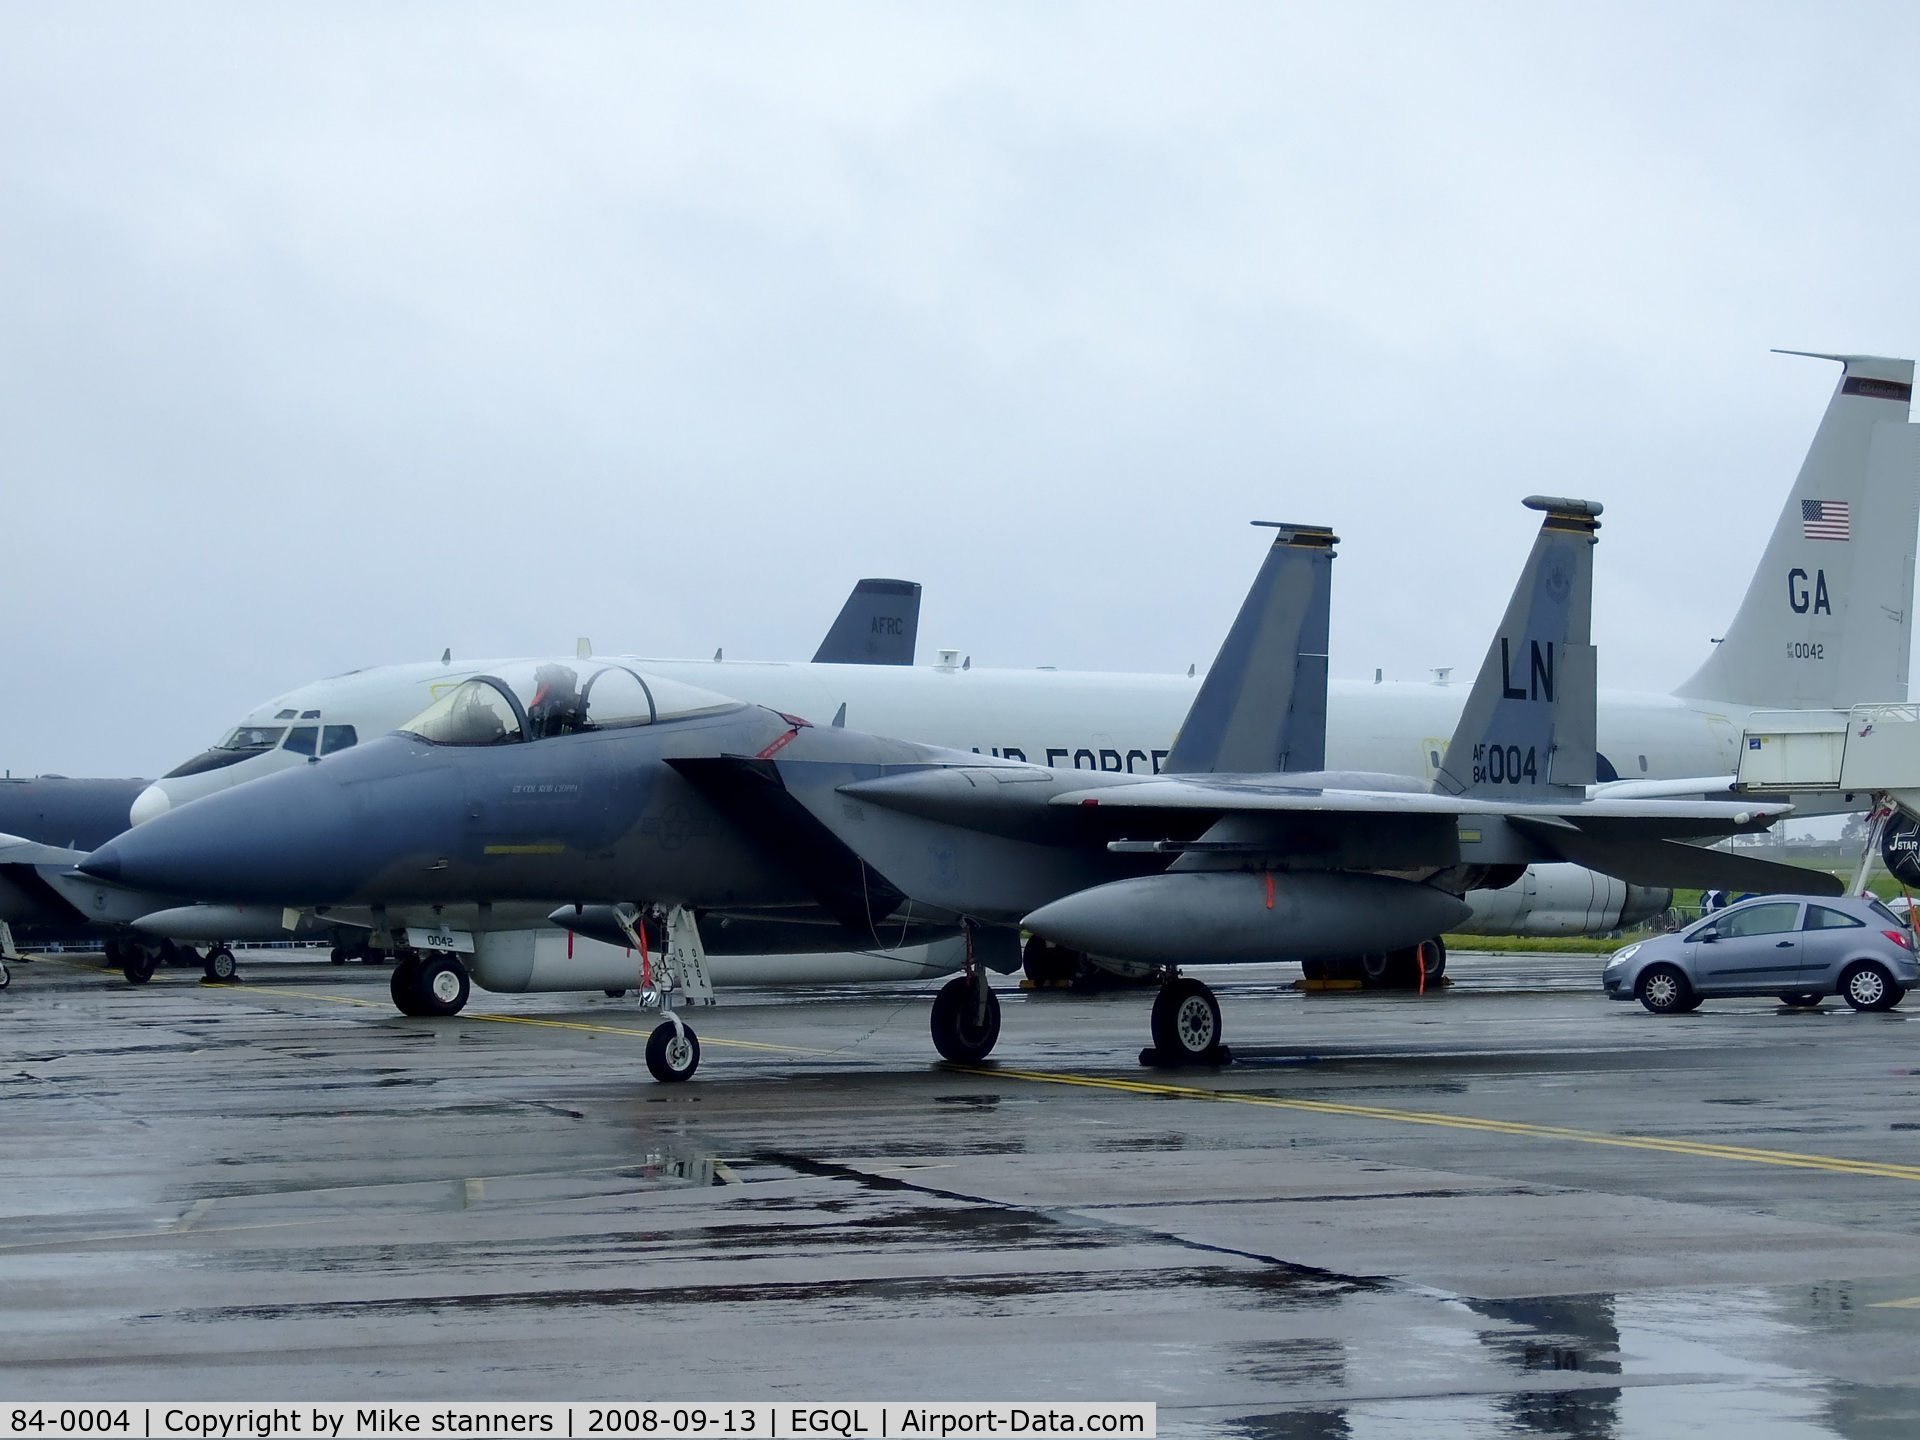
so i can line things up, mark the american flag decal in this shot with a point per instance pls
(1825, 520)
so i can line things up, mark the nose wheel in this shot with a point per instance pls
(1186, 1026)
(673, 1052)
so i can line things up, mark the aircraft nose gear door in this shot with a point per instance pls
(673, 1050)
(687, 957)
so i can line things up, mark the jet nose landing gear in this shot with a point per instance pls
(1186, 1026)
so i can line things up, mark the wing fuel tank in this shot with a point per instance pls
(1219, 918)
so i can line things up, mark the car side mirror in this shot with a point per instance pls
(1706, 935)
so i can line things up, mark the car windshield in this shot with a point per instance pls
(541, 699)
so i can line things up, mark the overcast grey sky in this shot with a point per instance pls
(334, 335)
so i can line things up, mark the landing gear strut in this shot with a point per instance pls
(1186, 1026)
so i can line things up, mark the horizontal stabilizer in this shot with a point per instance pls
(1674, 863)
(1263, 705)
(879, 625)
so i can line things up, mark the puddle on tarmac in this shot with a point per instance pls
(1758, 1362)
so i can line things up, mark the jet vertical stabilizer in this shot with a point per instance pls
(1528, 728)
(1827, 621)
(879, 625)
(1263, 705)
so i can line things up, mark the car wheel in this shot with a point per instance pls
(1803, 999)
(1664, 990)
(1868, 987)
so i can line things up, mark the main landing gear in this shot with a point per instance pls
(430, 985)
(966, 1013)
(220, 968)
(966, 1018)
(1186, 1026)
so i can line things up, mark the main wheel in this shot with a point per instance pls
(673, 1052)
(220, 966)
(440, 985)
(404, 986)
(1867, 987)
(1803, 999)
(338, 955)
(957, 1035)
(613, 994)
(1376, 971)
(136, 963)
(1047, 963)
(1665, 991)
(6, 975)
(1186, 1024)
(1433, 958)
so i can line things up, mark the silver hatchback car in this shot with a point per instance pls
(1800, 949)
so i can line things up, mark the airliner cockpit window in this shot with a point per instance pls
(615, 696)
(476, 712)
(253, 737)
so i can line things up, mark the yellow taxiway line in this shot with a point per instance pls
(1699, 1148)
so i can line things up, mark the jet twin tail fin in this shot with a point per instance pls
(1263, 705)
(1527, 732)
(879, 625)
(1827, 620)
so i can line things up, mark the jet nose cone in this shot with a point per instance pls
(149, 804)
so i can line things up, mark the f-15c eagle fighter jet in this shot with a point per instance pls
(605, 787)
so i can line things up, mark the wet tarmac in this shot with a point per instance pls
(1509, 1208)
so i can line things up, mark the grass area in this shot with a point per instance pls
(1538, 944)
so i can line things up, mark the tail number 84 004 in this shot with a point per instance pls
(1505, 765)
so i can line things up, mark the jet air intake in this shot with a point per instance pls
(1216, 917)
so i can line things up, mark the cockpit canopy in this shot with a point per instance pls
(538, 699)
